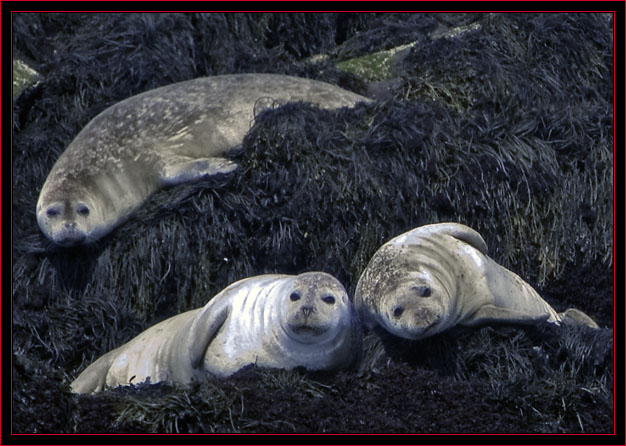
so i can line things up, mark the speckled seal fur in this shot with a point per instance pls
(275, 321)
(437, 276)
(171, 135)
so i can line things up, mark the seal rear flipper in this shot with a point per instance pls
(93, 378)
(574, 317)
(181, 169)
(456, 230)
(512, 292)
(492, 313)
(203, 329)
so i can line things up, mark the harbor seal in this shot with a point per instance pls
(437, 276)
(174, 134)
(275, 321)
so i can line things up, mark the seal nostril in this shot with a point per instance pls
(423, 314)
(397, 311)
(422, 290)
(307, 310)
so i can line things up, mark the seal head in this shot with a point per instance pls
(311, 308)
(409, 295)
(68, 218)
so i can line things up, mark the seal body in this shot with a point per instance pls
(437, 276)
(275, 321)
(174, 134)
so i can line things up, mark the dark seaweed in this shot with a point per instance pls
(506, 127)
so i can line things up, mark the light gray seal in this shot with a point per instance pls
(274, 321)
(171, 135)
(437, 276)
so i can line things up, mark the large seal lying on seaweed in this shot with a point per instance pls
(170, 135)
(437, 276)
(275, 321)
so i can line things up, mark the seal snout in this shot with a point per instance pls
(68, 233)
(416, 297)
(72, 239)
(420, 314)
(413, 311)
(411, 320)
(307, 310)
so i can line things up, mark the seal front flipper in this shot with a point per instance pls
(204, 328)
(182, 169)
(491, 313)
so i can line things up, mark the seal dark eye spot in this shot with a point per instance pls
(397, 311)
(82, 210)
(329, 299)
(294, 296)
(422, 291)
(52, 212)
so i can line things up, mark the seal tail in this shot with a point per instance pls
(93, 378)
(574, 317)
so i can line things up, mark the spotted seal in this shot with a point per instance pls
(170, 135)
(437, 276)
(275, 321)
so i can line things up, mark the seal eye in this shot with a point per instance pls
(82, 210)
(52, 212)
(422, 291)
(397, 311)
(329, 299)
(294, 296)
